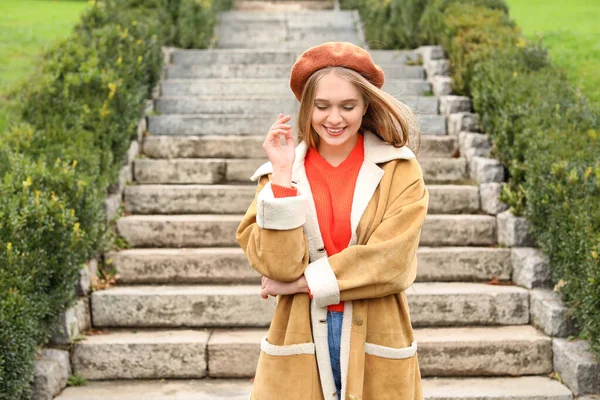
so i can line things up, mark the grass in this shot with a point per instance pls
(27, 27)
(570, 31)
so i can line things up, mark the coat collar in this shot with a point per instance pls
(376, 151)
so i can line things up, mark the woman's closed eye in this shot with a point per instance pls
(345, 108)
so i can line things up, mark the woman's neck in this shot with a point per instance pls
(335, 155)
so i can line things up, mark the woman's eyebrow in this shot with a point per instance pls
(343, 101)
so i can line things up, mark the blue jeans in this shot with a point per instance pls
(334, 326)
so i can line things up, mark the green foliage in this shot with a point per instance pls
(78, 115)
(42, 248)
(543, 130)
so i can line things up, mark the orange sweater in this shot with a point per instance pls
(333, 190)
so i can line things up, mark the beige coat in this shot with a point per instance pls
(282, 240)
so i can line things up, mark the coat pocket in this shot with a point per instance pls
(392, 373)
(288, 372)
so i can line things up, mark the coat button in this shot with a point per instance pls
(321, 250)
(351, 397)
(358, 321)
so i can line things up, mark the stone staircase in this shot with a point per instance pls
(186, 318)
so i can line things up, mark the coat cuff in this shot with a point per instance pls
(322, 282)
(280, 213)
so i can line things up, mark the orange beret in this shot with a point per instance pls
(341, 54)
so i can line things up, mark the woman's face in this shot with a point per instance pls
(338, 104)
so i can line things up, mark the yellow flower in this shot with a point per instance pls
(104, 112)
(119, 60)
(112, 87)
(74, 163)
(53, 196)
(9, 247)
(139, 41)
(515, 74)
(27, 183)
(594, 255)
(76, 227)
(140, 58)
(134, 23)
(588, 172)
(521, 43)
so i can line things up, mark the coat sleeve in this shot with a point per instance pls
(386, 264)
(271, 233)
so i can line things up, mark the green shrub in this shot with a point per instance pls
(543, 131)
(79, 113)
(42, 248)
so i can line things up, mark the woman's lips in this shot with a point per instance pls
(335, 133)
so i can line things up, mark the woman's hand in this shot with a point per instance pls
(273, 288)
(282, 157)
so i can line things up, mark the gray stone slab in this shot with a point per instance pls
(51, 371)
(230, 265)
(181, 171)
(268, 87)
(577, 365)
(232, 199)
(258, 124)
(232, 56)
(205, 171)
(271, 70)
(490, 198)
(463, 121)
(549, 313)
(473, 144)
(485, 170)
(142, 354)
(450, 104)
(247, 104)
(223, 146)
(513, 231)
(72, 322)
(460, 388)
(459, 230)
(439, 264)
(531, 268)
(164, 389)
(219, 230)
(459, 303)
(431, 304)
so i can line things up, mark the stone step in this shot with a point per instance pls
(230, 170)
(268, 87)
(431, 304)
(219, 230)
(222, 146)
(260, 104)
(154, 354)
(257, 124)
(272, 56)
(463, 388)
(271, 70)
(268, 36)
(235, 199)
(292, 19)
(286, 45)
(230, 265)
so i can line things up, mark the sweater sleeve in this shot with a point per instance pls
(271, 233)
(386, 264)
(283, 191)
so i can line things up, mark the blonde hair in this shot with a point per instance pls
(387, 117)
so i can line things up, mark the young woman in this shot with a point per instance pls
(333, 230)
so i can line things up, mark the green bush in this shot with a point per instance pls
(79, 113)
(543, 131)
(42, 248)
